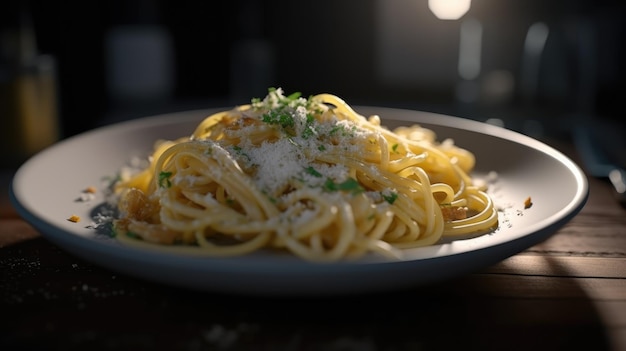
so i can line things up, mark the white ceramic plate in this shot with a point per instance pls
(46, 187)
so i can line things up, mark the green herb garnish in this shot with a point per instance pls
(309, 130)
(239, 151)
(350, 185)
(283, 119)
(310, 170)
(390, 197)
(164, 179)
(294, 96)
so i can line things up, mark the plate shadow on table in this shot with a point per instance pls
(53, 300)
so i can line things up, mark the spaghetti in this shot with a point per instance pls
(308, 176)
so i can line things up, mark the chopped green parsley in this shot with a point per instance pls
(164, 179)
(390, 197)
(349, 185)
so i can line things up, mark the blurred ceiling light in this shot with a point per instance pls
(449, 9)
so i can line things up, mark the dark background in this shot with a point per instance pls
(201, 54)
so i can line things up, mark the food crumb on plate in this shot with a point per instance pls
(74, 218)
(87, 194)
(528, 202)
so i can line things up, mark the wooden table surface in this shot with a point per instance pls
(566, 293)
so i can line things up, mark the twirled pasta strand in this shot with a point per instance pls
(384, 190)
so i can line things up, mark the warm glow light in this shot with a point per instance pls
(449, 9)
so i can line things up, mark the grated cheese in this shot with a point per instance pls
(277, 163)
